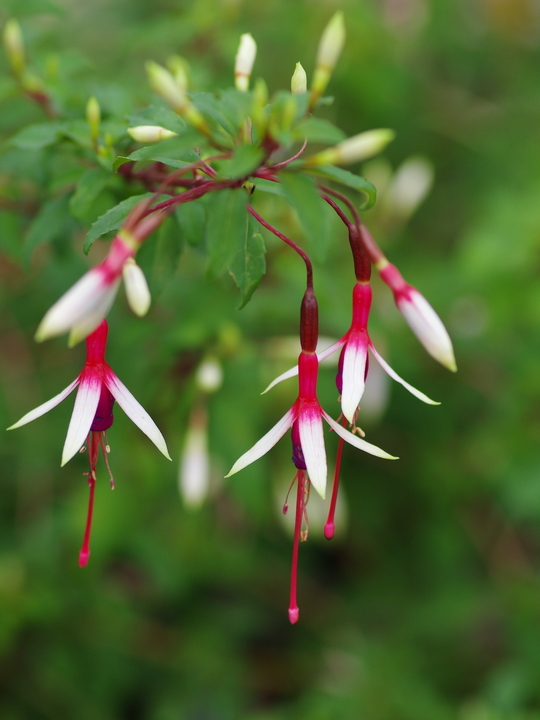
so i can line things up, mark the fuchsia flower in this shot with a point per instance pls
(421, 317)
(353, 361)
(307, 414)
(99, 388)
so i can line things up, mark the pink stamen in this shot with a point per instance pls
(330, 527)
(301, 478)
(94, 440)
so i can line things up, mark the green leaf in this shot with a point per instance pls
(112, 219)
(349, 179)
(313, 213)
(89, 187)
(118, 162)
(268, 186)
(191, 218)
(318, 130)
(248, 265)
(177, 152)
(245, 159)
(49, 223)
(159, 255)
(39, 136)
(157, 115)
(225, 229)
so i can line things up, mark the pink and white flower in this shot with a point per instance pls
(81, 309)
(421, 317)
(353, 362)
(307, 413)
(98, 389)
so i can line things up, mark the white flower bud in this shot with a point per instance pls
(354, 149)
(209, 375)
(150, 133)
(245, 57)
(14, 45)
(329, 50)
(137, 292)
(299, 80)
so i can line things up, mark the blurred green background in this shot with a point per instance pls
(426, 605)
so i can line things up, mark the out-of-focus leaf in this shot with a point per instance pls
(159, 255)
(225, 229)
(318, 130)
(313, 213)
(49, 223)
(112, 219)
(34, 137)
(176, 149)
(91, 184)
(245, 159)
(249, 265)
(349, 179)
(16, 8)
(268, 186)
(191, 217)
(157, 115)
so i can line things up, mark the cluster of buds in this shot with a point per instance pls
(245, 158)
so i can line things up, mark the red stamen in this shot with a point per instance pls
(330, 527)
(94, 440)
(301, 478)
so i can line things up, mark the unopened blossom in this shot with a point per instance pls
(420, 316)
(328, 52)
(354, 347)
(299, 80)
(98, 389)
(150, 133)
(243, 65)
(355, 149)
(308, 414)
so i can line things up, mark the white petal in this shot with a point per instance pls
(312, 442)
(94, 314)
(194, 474)
(73, 306)
(137, 292)
(393, 374)
(354, 371)
(428, 328)
(135, 411)
(355, 440)
(265, 443)
(294, 371)
(83, 415)
(42, 409)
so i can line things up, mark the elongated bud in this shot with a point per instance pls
(150, 133)
(93, 115)
(14, 46)
(421, 317)
(330, 47)
(299, 80)
(137, 292)
(354, 149)
(410, 185)
(309, 322)
(194, 471)
(179, 68)
(258, 115)
(165, 85)
(245, 57)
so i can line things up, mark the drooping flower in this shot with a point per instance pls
(81, 309)
(354, 347)
(420, 316)
(308, 414)
(98, 389)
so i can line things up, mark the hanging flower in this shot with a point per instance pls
(98, 389)
(353, 365)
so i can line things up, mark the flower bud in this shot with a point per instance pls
(354, 149)
(137, 292)
(209, 375)
(14, 46)
(179, 68)
(93, 115)
(245, 57)
(420, 316)
(299, 80)
(194, 472)
(330, 47)
(164, 84)
(150, 133)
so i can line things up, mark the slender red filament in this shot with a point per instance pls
(301, 478)
(330, 528)
(94, 441)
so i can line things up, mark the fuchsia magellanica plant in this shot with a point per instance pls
(268, 147)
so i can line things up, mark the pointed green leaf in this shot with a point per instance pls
(49, 223)
(191, 217)
(313, 213)
(89, 187)
(245, 160)
(112, 219)
(159, 255)
(318, 130)
(225, 228)
(268, 186)
(349, 179)
(249, 265)
(172, 151)
(34, 137)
